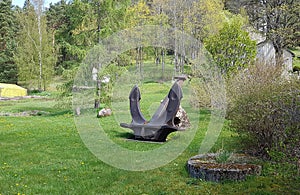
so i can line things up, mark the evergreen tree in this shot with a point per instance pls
(73, 33)
(8, 69)
(56, 18)
(111, 16)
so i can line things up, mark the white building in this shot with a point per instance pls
(266, 55)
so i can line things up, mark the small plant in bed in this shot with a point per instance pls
(221, 166)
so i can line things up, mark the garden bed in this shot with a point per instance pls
(207, 167)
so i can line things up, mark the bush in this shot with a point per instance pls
(112, 72)
(64, 96)
(264, 108)
(200, 98)
(123, 60)
(232, 48)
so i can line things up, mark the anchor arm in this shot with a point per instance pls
(135, 111)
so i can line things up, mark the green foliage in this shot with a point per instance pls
(265, 110)
(296, 59)
(58, 22)
(200, 98)
(297, 67)
(64, 96)
(123, 59)
(111, 16)
(73, 31)
(8, 29)
(204, 18)
(139, 14)
(223, 156)
(56, 16)
(81, 27)
(35, 55)
(112, 72)
(232, 49)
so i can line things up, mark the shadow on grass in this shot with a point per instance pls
(43, 111)
(125, 135)
(61, 112)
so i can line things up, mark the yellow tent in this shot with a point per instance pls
(11, 90)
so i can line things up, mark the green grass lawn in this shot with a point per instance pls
(45, 155)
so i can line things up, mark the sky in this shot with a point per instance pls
(20, 3)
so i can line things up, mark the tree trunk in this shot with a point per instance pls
(98, 94)
(98, 90)
(39, 10)
(157, 56)
(40, 54)
(278, 55)
(139, 59)
(163, 64)
(141, 62)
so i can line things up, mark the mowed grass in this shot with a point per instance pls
(45, 155)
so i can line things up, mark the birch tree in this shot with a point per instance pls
(35, 56)
(38, 4)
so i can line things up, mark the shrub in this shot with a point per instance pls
(64, 96)
(112, 72)
(123, 60)
(232, 48)
(200, 98)
(264, 108)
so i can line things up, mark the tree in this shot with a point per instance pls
(8, 68)
(113, 17)
(204, 18)
(138, 15)
(35, 55)
(56, 18)
(278, 20)
(39, 8)
(200, 18)
(175, 10)
(232, 48)
(57, 23)
(108, 20)
(73, 30)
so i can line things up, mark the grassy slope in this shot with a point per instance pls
(45, 155)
